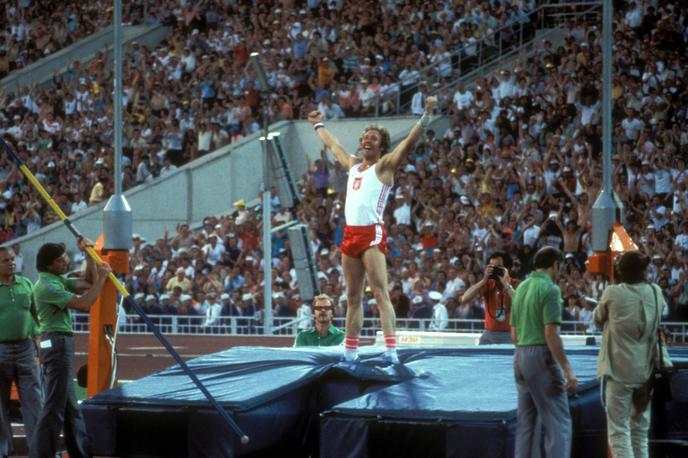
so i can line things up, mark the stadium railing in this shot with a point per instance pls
(289, 326)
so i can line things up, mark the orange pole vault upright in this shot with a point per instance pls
(603, 262)
(103, 324)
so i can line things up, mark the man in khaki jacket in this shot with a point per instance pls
(629, 313)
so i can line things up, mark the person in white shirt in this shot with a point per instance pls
(205, 136)
(143, 170)
(366, 95)
(632, 126)
(441, 59)
(505, 88)
(188, 61)
(662, 174)
(646, 179)
(462, 97)
(305, 314)
(585, 316)
(167, 167)
(440, 316)
(634, 15)
(214, 310)
(78, 203)
(408, 77)
(418, 100)
(213, 250)
(389, 91)
(454, 283)
(329, 109)
(402, 212)
(18, 259)
(682, 237)
(531, 231)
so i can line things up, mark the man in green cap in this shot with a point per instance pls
(55, 296)
(323, 334)
(17, 350)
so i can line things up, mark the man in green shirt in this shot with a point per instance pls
(17, 351)
(542, 371)
(55, 296)
(324, 334)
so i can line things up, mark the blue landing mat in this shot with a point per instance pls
(287, 399)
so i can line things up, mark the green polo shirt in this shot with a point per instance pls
(536, 302)
(16, 320)
(312, 338)
(51, 295)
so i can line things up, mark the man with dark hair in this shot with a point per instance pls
(542, 371)
(629, 314)
(371, 178)
(17, 351)
(496, 288)
(55, 296)
(323, 334)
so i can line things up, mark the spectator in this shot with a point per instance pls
(151, 306)
(440, 316)
(213, 312)
(305, 315)
(329, 109)
(179, 280)
(418, 99)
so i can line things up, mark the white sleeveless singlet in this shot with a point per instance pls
(366, 197)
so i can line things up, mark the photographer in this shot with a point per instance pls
(496, 288)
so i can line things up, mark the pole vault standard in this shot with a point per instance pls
(122, 290)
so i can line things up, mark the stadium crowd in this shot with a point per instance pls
(193, 93)
(518, 168)
(33, 29)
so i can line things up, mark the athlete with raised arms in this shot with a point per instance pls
(371, 178)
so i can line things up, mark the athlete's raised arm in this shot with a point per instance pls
(390, 162)
(330, 141)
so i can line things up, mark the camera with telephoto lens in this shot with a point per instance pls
(497, 272)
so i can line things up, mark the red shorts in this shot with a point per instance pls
(357, 239)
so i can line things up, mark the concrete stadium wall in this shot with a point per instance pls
(210, 185)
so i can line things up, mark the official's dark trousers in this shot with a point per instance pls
(60, 409)
(18, 364)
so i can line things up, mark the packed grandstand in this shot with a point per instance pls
(518, 168)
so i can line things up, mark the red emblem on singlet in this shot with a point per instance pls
(357, 183)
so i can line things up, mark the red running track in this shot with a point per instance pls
(141, 355)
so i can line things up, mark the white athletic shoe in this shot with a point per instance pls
(391, 357)
(350, 356)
